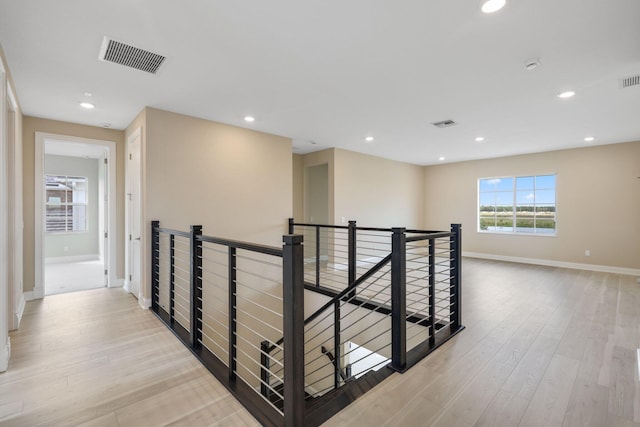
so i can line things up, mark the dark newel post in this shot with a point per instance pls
(293, 325)
(172, 278)
(196, 287)
(232, 314)
(398, 299)
(155, 265)
(432, 293)
(265, 366)
(456, 276)
(336, 344)
(352, 256)
(317, 256)
(290, 225)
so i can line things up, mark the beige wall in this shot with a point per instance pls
(315, 159)
(375, 192)
(378, 192)
(235, 182)
(30, 126)
(298, 187)
(598, 204)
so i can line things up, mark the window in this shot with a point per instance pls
(66, 203)
(522, 204)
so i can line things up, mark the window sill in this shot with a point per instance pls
(517, 233)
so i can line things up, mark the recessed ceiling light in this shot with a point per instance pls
(441, 158)
(567, 94)
(249, 119)
(480, 139)
(491, 6)
(369, 139)
(87, 105)
(589, 139)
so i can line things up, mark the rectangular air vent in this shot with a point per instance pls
(630, 81)
(130, 56)
(444, 124)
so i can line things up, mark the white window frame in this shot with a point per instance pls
(514, 204)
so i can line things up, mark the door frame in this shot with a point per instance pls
(5, 345)
(41, 137)
(14, 140)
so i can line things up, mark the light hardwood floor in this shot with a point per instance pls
(543, 346)
(94, 358)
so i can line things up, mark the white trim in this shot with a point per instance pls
(16, 305)
(5, 306)
(74, 258)
(552, 263)
(19, 311)
(125, 286)
(117, 283)
(41, 137)
(144, 302)
(29, 296)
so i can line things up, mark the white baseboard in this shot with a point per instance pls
(5, 354)
(144, 302)
(116, 283)
(126, 285)
(551, 263)
(75, 258)
(36, 293)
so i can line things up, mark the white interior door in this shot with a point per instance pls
(134, 220)
(105, 220)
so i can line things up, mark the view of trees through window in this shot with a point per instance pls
(66, 203)
(523, 204)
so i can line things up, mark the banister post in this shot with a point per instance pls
(352, 256)
(455, 277)
(195, 296)
(293, 325)
(155, 265)
(291, 225)
(398, 299)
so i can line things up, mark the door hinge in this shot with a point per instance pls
(105, 161)
(130, 156)
(129, 236)
(130, 278)
(105, 272)
(106, 234)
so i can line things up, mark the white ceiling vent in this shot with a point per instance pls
(130, 56)
(444, 123)
(630, 81)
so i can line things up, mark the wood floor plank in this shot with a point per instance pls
(505, 409)
(549, 404)
(587, 405)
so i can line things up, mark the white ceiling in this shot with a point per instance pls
(332, 72)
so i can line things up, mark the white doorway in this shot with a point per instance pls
(75, 214)
(134, 214)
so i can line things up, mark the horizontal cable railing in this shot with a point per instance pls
(223, 298)
(381, 297)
